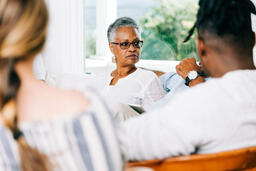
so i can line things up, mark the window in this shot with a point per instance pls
(164, 23)
(90, 22)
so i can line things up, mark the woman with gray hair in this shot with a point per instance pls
(128, 84)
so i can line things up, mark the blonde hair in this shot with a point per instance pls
(23, 27)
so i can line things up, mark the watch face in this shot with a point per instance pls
(192, 75)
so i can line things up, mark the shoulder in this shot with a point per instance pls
(201, 91)
(145, 78)
(203, 98)
(146, 75)
(93, 129)
(146, 72)
(208, 102)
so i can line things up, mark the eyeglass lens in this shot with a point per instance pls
(126, 45)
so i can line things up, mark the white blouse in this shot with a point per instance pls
(140, 88)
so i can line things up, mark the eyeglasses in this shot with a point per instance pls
(126, 45)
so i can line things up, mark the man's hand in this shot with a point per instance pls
(188, 64)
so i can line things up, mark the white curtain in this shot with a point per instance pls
(65, 47)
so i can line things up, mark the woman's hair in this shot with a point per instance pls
(228, 19)
(23, 27)
(120, 23)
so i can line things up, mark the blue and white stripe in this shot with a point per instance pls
(86, 142)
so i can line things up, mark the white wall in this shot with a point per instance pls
(106, 13)
(64, 51)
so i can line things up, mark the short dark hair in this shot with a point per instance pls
(226, 18)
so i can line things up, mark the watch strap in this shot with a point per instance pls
(187, 79)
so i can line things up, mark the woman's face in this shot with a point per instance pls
(126, 46)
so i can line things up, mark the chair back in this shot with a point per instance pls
(234, 160)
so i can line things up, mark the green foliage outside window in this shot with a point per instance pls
(165, 28)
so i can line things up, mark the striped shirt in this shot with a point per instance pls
(85, 142)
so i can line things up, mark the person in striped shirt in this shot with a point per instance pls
(44, 128)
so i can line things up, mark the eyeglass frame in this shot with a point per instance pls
(119, 44)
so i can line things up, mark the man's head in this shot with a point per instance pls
(225, 37)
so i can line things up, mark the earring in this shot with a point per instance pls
(113, 59)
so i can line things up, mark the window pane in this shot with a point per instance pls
(90, 20)
(165, 24)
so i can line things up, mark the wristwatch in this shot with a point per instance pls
(191, 76)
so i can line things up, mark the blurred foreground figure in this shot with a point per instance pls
(44, 128)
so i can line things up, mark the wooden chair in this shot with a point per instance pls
(234, 160)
